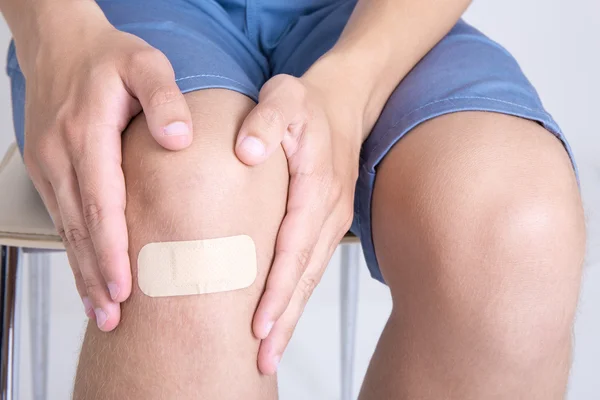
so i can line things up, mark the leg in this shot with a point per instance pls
(479, 232)
(39, 320)
(190, 346)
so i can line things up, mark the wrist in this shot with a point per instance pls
(54, 27)
(345, 95)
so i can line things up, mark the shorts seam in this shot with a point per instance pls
(450, 99)
(216, 76)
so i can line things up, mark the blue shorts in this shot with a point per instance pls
(240, 44)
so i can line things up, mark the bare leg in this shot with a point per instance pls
(190, 347)
(479, 231)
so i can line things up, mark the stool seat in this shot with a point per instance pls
(24, 221)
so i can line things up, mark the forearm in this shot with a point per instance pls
(35, 22)
(382, 42)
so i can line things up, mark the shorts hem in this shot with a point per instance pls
(206, 81)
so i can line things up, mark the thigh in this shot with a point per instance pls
(198, 346)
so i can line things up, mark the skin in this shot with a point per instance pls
(312, 128)
(187, 347)
(73, 131)
(483, 256)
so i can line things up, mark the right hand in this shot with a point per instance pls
(87, 81)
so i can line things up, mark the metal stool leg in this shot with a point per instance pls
(11, 258)
(17, 324)
(348, 303)
(39, 310)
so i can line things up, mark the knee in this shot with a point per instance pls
(203, 191)
(497, 235)
(511, 276)
(205, 183)
(508, 253)
(199, 193)
(505, 220)
(505, 189)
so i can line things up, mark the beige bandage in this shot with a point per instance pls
(197, 266)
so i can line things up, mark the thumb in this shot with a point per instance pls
(280, 111)
(152, 80)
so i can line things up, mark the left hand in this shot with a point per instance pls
(321, 134)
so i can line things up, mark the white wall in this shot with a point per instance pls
(557, 43)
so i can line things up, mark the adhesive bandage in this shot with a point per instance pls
(197, 266)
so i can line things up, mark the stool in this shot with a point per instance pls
(26, 229)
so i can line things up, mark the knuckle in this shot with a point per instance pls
(78, 237)
(92, 286)
(149, 59)
(277, 81)
(71, 131)
(335, 189)
(302, 260)
(298, 88)
(70, 128)
(61, 232)
(286, 85)
(271, 115)
(92, 215)
(163, 95)
(307, 287)
(145, 57)
(43, 149)
(291, 82)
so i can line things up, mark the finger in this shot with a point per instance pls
(74, 232)
(149, 75)
(272, 347)
(298, 235)
(47, 194)
(102, 192)
(281, 109)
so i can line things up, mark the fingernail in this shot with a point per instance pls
(101, 317)
(114, 290)
(276, 360)
(254, 146)
(87, 306)
(176, 129)
(268, 327)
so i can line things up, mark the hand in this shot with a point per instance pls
(86, 84)
(321, 137)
